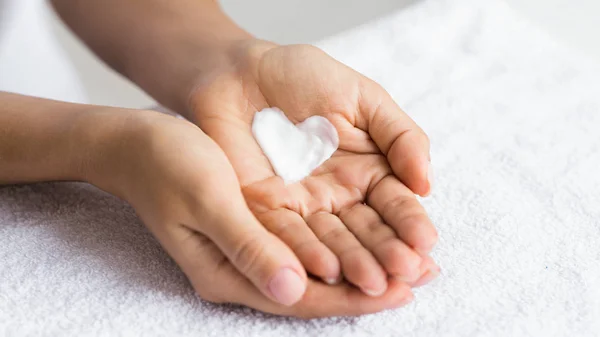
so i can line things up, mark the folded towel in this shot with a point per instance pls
(513, 119)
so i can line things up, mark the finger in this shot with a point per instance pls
(398, 137)
(399, 208)
(266, 261)
(429, 272)
(321, 300)
(199, 259)
(294, 232)
(395, 256)
(358, 264)
(217, 280)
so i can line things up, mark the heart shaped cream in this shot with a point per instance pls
(294, 150)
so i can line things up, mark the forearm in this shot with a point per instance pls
(44, 140)
(151, 41)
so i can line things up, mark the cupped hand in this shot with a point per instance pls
(184, 189)
(355, 217)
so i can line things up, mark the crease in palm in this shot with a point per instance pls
(352, 218)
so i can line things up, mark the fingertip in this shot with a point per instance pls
(430, 275)
(409, 159)
(287, 287)
(428, 270)
(401, 261)
(375, 292)
(333, 280)
(427, 263)
(429, 180)
(321, 262)
(427, 241)
(400, 294)
(423, 184)
(373, 285)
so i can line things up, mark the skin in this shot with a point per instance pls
(139, 156)
(355, 218)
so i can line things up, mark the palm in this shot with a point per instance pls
(304, 82)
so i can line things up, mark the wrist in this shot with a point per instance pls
(121, 146)
(181, 46)
(42, 140)
(240, 63)
(103, 137)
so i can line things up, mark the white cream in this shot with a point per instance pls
(294, 151)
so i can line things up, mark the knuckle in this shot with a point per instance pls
(356, 257)
(373, 226)
(418, 228)
(309, 49)
(324, 259)
(363, 268)
(340, 234)
(248, 253)
(397, 259)
(391, 251)
(397, 204)
(280, 227)
(316, 257)
(425, 136)
(376, 88)
(415, 221)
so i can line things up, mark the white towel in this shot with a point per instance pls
(514, 120)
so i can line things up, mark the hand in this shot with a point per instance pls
(357, 214)
(185, 190)
(182, 56)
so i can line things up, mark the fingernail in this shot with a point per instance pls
(434, 272)
(374, 293)
(413, 274)
(332, 280)
(406, 300)
(287, 287)
(430, 177)
(431, 274)
(405, 279)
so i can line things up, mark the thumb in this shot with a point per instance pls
(400, 139)
(259, 255)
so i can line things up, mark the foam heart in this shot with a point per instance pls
(294, 151)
